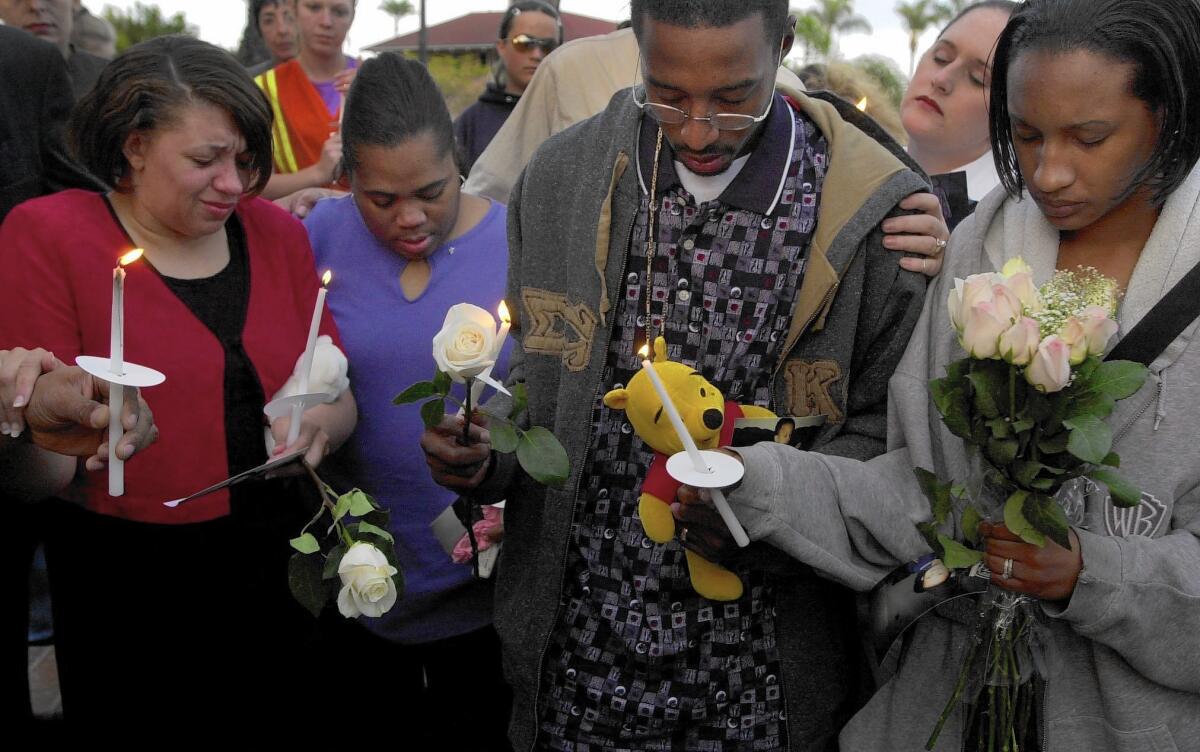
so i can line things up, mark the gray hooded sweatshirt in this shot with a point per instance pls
(1129, 636)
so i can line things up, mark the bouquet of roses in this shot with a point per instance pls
(1029, 401)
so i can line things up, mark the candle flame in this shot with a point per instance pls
(130, 257)
(503, 311)
(645, 351)
(862, 104)
(326, 277)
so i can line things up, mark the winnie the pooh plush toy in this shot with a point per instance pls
(709, 419)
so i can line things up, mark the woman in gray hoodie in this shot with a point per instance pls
(1095, 117)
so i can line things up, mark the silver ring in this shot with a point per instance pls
(924, 264)
(1007, 573)
(683, 531)
(939, 245)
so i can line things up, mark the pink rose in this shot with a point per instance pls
(1019, 343)
(1050, 369)
(982, 327)
(1098, 328)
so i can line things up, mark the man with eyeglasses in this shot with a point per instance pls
(747, 229)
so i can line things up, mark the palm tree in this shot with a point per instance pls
(838, 16)
(812, 35)
(397, 9)
(917, 16)
(948, 9)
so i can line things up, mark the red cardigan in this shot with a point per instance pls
(57, 255)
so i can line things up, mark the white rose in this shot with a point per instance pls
(466, 345)
(1019, 343)
(1050, 369)
(367, 585)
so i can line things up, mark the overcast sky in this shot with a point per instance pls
(221, 21)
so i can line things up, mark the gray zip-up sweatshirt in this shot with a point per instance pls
(1129, 637)
(570, 222)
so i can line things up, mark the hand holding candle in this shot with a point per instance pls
(697, 459)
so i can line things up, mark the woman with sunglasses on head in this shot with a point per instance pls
(406, 245)
(529, 30)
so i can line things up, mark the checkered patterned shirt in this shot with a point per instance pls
(638, 660)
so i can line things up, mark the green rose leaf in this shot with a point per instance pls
(970, 524)
(306, 544)
(1002, 451)
(1014, 520)
(991, 389)
(1022, 425)
(950, 398)
(957, 556)
(441, 383)
(937, 492)
(341, 507)
(1025, 471)
(929, 531)
(306, 584)
(433, 411)
(1090, 439)
(360, 504)
(1124, 493)
(1096, 404)
(332, 561)
(1054, 444)
(520, 399)
(543, 457)
(366, 528)
(1046, 516)
(1112, 459)
(415, 393)
(504, 436)
(1118, 379)
(957, 370)
(1001, 428)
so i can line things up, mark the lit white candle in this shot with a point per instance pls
(306, 361)
(689, 445)
(116, 366)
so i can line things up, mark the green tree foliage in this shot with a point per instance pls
(144, 22)
(397, 9)
(884, 72)
(918, 16)
(838, 17)
(814, 38)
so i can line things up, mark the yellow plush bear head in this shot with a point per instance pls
(700, 405)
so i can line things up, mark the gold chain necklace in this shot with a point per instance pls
(651, 245)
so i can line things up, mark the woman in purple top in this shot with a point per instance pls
(406, 245)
